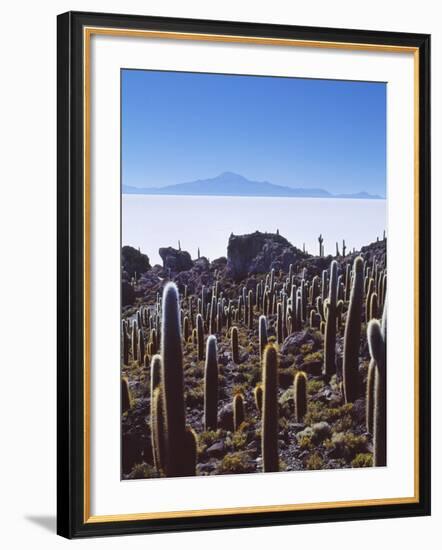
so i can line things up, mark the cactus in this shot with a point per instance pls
(377, 343)
(369, 397)
(125, 344)
(134, 342)
(258, 394)
(250, 307)
(300, 396)
(154, 341)
(140, 351)
(126, 399)
(352, 333)
(332, 311)
(200, 336)
(314, 290)
(262, 335)
(213, 312)
(315, 319)
(234, 342)
(189, 453)
(211, 385)
(270, 410)
(373, 308)
(157, 430)
(238, 411)
(324, 285)
(347, 282)
(321, 248)
(173, 382)
(370, 290)
(279, 334)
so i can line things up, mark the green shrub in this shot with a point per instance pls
(235, 463)
(362, 460)
(315, 462)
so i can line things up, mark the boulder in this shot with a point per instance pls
(133, 261)
(259, 253)
(175, 260)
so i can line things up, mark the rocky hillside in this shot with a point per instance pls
(267, 307)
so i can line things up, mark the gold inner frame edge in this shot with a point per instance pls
(87, 34)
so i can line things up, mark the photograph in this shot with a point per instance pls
(254, 236)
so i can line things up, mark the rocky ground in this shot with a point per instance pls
(333, 433)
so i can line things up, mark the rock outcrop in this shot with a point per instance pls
(259, 253)
(175, 260)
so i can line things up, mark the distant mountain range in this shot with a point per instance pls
(231, 184)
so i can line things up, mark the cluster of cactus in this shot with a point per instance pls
(283, 304)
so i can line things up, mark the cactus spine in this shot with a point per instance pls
(352, 333)
(270, 410)
(211, 385)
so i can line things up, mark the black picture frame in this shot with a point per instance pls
(70, 265)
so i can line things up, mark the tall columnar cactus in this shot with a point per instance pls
(172, 377)
(200, 336)
(374, 308)
(279, 334)
(369, 397)
(270, 410)
(377, 342)
(126, 399)
(250, 308)
(234, 342)
(258, 394)
(157, 430)
(314, 290)
(125, 344)
(238, 411)
(203, 302)
(211, 385)
(300, 396)
(186, 328)
(213, 312)
(156, 412)
(370, 290)
(298, 312)
(134, 342)
(352, 334)
(154, 341)
(189, 452)
(347, 282)
(140, 354)
(331, 307)
(219, 317)
(304, 300)
(263, 339)
(324, 285)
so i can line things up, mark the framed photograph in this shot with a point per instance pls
(240, 209)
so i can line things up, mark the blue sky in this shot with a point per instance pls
(179, 127)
